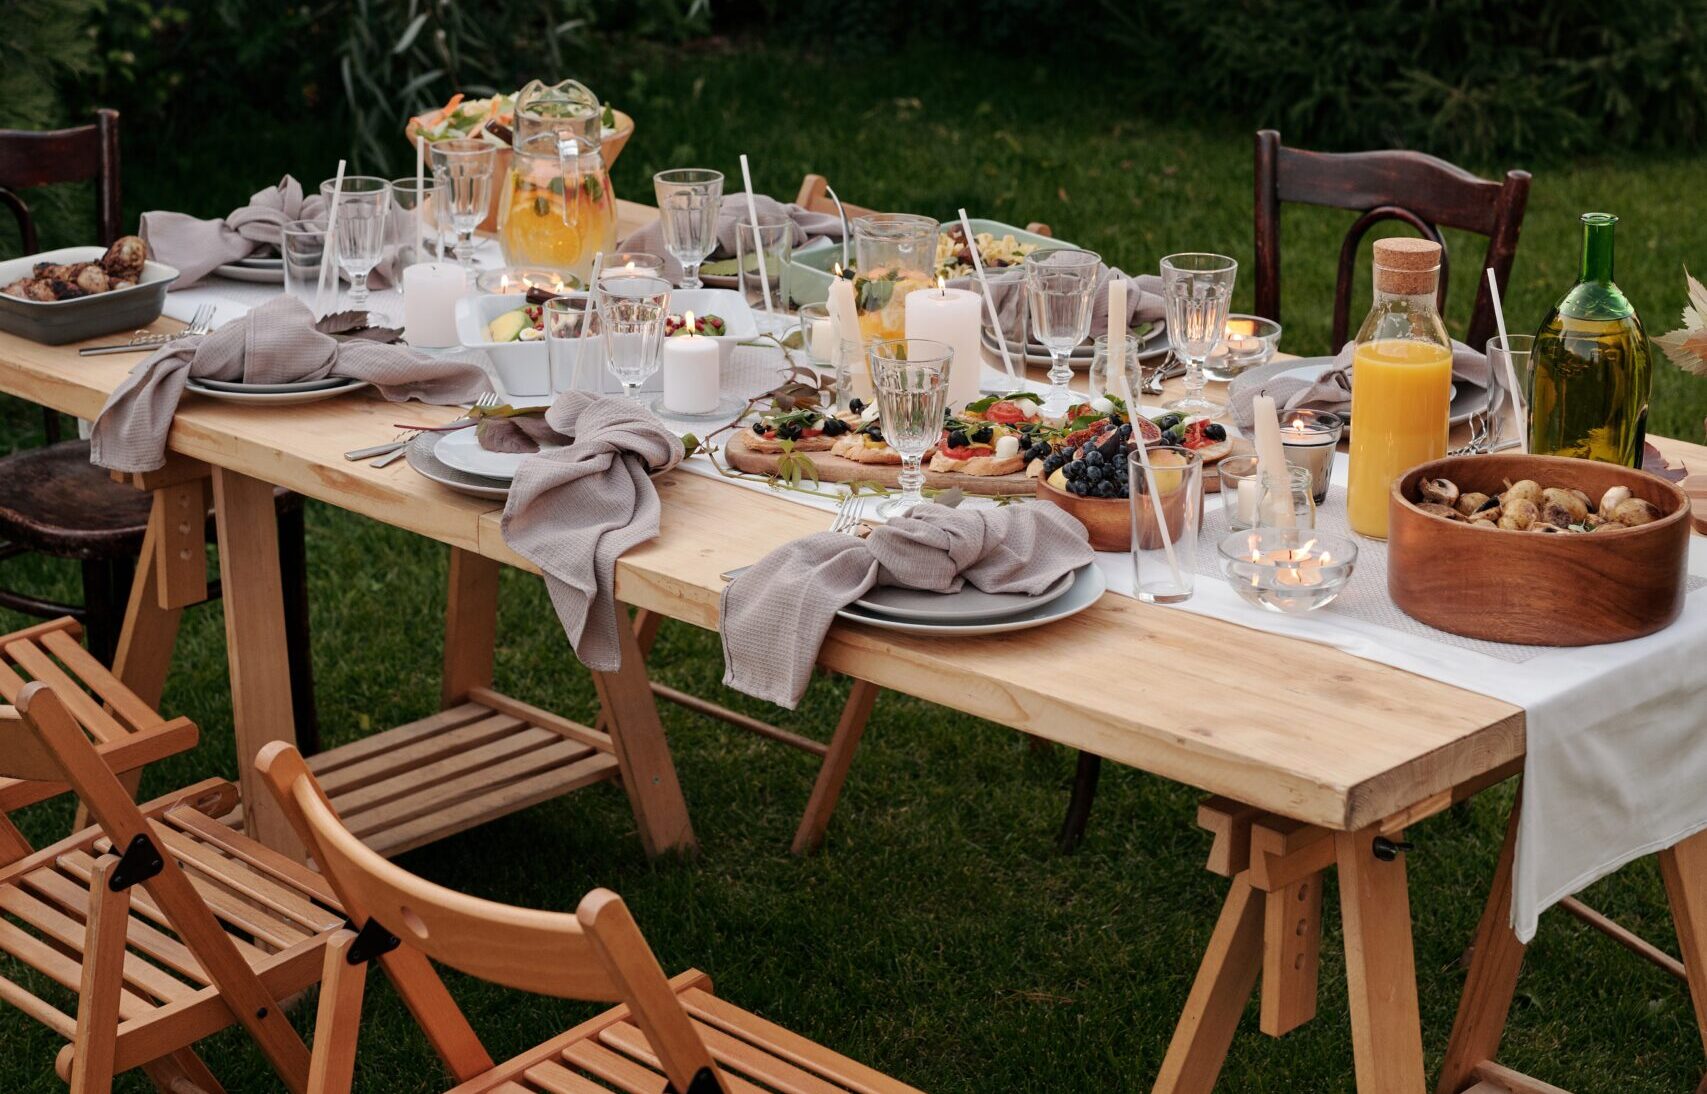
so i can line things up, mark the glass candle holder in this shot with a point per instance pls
(1288, 570)
(1311, 439)
(1101, 383)
(1247, 342)
(518, 280)
(1293, 495)
(632, 264)
(1241, 490)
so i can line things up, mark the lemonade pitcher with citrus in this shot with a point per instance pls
(556, 210)
(1401, 380)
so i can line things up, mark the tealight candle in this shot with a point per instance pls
(951, 316)
(692, 374)
(1310, 439)
(518, 280)
(632, 264)
(430, 293)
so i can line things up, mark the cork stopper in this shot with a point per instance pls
(1406, 266)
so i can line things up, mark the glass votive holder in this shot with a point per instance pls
(1287, 570)
(632, 264)
(852, 374)
(1294, 496)
(817, 334)
(1247, 341)
(1241, 490)
(1166, 510)
(1101, 383)
(1311, 438)
(518, 280)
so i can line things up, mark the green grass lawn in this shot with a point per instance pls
(939, 936)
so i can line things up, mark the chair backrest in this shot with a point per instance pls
(88, 153)
(597, 954)
(1417, 189)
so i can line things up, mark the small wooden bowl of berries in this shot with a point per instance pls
(1086, 471)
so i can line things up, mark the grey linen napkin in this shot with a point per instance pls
(808, 227)
(774, 615)
(574, 510)
(196, 246)
(1143, 300)
(274, 343)
(1331, 390)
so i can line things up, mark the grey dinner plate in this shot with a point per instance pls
(969, 605)
(1155, 343)
(1467, 399)
(1087, 588)
(261, 275)
(246, 394)
(421, 458)
(273, 389)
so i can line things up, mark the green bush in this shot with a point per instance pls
(46, 44)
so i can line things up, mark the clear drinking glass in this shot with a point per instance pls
(1101, 383)
(1241, 491)
(1197, 290)
(1296, 495)
(1166, 515)
(303, 243)
(853, 374)
(1007, 283)
(413, 218)
(688, 201)
(1060, 286)
(911, 376)
(774, 238)
(364, 212)
(463, 171)
(631, 314)
(567, 319)
(1513, 350)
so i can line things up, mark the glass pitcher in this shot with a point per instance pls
(894, 253)
(556, 210)
(568, 107)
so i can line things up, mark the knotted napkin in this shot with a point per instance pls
(774, 614)
(573, 510)
(275, 343)
(196, 247)
(1143, 300)
(808, 227)
(1332, 389)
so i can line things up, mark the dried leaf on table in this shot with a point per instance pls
(519, 431)
(383, 335)
(341, 322)
(1687, 346)
(1655, 464)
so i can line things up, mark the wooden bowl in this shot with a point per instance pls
(1580, 589)
(1109, 520)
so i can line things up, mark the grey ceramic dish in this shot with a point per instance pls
(55, 322)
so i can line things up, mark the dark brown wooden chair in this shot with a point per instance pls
(53, 501)
(1419, 190)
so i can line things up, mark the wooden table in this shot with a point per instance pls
(1308, 768)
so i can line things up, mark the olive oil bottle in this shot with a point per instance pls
(1591, 373)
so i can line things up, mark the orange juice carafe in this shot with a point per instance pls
(1401, 380)
(555, 209)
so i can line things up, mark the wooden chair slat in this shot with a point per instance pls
(554, 1078)
(93, 1045)
(325, 763)
(127, 754)
(80, 864)
(286, 871)
(67, 972)
(622, 1072)
(258, 889)
(159, 945)
(788, 1045)
(406, 781)
(100, 680)
(479, 775)
(72, 935)
(214, 793)
(733, 1054)
(496, 803)
(10, 683)
(42, 1011)
(445, 743)
(544, 719)
(90, 714)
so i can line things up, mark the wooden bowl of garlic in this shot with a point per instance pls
(1537, 550)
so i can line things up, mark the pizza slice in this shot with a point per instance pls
(981, 448)
(809, 430)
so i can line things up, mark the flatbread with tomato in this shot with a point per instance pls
(806, 430)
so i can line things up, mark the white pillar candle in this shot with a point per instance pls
(1116, 337)
(950, 316)
(430, 293)
(692, 376)
(821, 337)
(1271, 461)
(1250, 490)
(844, 321)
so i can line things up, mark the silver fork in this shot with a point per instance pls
(392, 451)
(200, 323)
(848, 514)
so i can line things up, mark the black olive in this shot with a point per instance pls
(856, 405)
(759, 428)
(875, 433)
(1215, 432)
(957, 439)
(983, 434)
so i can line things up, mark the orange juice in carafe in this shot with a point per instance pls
(1401, 380)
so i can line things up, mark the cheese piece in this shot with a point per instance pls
(1101, 405)
(1007, 447)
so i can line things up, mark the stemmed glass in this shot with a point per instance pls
(911, 378)
(1197, 290)
(364, 211)
(631, 313)
(688, 201)
(1061, 286)
(462, 172)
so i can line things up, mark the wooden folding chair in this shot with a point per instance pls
(221, 929)
(664, 1031)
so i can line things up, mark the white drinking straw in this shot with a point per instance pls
(330, 242)
(989, 302)
(581, 356)
(1510, 367)
(420, 195)
(1153, 486)
(758, 239)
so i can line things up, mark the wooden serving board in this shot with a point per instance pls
(837, 469)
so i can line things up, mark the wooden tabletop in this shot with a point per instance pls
(1289, 727)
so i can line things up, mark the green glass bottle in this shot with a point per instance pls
(1592, 369)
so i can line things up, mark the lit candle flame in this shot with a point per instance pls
(687, 324)
(941, 285)
(630, 267)
(504, 283)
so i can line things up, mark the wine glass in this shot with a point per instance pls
(688, 201)
(364, 211)
(462, 172)
(911, 378)
(631, 313)
(1061, 286)
(1197, 290)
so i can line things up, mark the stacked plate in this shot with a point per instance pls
(456, 460)
(971, 611)
(1153, 343)
(264, 269)
(299, 391)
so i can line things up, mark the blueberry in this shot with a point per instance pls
(1075, 470)
(1125, 430)
(1078, 487)
(1094, 458)
(1094, 473)
(1167, 421)
(1215, 432)
(1106, 489)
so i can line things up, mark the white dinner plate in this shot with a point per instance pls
(1088, 586)
(273, 389)
(1155, 344)
(276, 398)
(1467, 399)
(421, 457)
(264, 275)
(461, 450)
(261, 262)
(969, 605)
